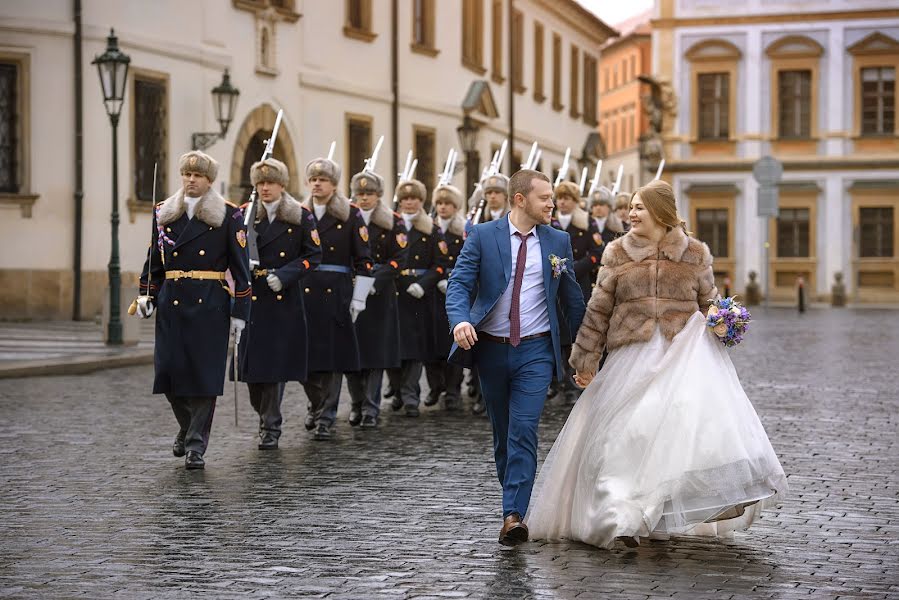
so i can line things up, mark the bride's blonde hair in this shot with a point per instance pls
(658, 198)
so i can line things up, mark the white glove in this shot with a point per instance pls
(441, 285)
(273, 282)
(145, 307)
(372, 291)
(416, 291)
(356, 307)
(237, 326)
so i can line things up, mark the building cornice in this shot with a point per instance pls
(819, 163)
(579, 18)
(796, 17)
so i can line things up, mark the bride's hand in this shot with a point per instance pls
(582, 379)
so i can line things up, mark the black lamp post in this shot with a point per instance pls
(468, 140)
(112, 67)
(224, 102)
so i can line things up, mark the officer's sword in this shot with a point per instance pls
(133, 308)
(234, 369)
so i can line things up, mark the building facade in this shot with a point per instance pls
(811, 83)
(345, 71)
(622, 117)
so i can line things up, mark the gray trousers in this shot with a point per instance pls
(445, 377)
(365, 391)
(405, 382)
(323, 391)
(266, 400)
(194, 415)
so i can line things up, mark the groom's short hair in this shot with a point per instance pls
(522, 182)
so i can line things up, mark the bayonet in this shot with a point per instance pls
(617, 185)
(595, 183)
(373, 160)
(331, 150)
(583, 180)
(661, 168)
(563, 172)
(250, 218)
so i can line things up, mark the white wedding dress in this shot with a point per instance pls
(663, 441)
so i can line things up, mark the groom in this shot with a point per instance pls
(518, 267)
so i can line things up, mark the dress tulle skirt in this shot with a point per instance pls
(663, 441)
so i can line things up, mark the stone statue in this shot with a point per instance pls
(753, 291)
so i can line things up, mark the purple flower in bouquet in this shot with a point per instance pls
(728, 319)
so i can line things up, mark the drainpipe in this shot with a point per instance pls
(395, 89)
(79, 166)
(512, 166)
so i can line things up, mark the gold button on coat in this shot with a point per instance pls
(331, 248)
(279, 296)
(416, 257)
(289, 230)
(254, 298)
(200, 301)
(175, 253)
(202, 253)
(168, 229)
(339, 226)
(281, 254)
(328, 291)
(175, 303)
(307, 290)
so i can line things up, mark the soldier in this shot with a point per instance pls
(443, 376)
(606, 221)
(196, 238)
(273, 350)
(377, 327)
(496, 190)
(622, 207)
(417, 284)
(333, 349)
(587, 247)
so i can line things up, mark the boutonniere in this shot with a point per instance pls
(559, 265)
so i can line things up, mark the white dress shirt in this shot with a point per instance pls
(600, 223)
(407, 219)
(443, 223)
(191, 206)
(366, 215)
(319, 210)
(533, 311)
(271, 209)
(496, 215)
(564, 220)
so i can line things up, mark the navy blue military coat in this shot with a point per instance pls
(454, 236)
(378, 326)
(193, 315)
(426, 264)
(587, 247)
(273, 347)
(333, 347)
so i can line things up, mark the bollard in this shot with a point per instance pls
(753, 295)
(801, 284)
(838, 291)
(727, 287)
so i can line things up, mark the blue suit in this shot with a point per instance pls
(514, 380)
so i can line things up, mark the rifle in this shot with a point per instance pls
(617, 185)
(563, 172)
(250, 218)
(583, 181)
(446, 177)
(373, 160)
(595, 183)
(408, 169)
(492, 169)
(661, 168)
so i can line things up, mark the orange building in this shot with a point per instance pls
(621, 116)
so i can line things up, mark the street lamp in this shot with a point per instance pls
(112, 66)
(468, 140)
(224, 101)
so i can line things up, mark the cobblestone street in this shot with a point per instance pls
(95, 506)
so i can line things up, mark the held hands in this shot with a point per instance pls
(441, 285)
(273, 282)
(416, 291)
(465, 335)
(237, 326)
(583, 378)
(356, 307)
(145, 307)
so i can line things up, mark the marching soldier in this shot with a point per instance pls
(417, 284)
(604, 219)
(443, 376)
(197, 237)
(587, 247)
(496, 190)
(377, 327)
(622, 207)
(273, 349)
(333, 348)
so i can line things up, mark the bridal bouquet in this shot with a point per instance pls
(728, 320)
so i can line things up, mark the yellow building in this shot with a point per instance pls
(811, 83)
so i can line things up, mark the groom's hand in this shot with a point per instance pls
(582, 379)
(465, 335)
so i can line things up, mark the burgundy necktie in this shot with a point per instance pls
(515, 312)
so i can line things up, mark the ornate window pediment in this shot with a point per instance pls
(713, 50)
(794, 46)
(876, 43)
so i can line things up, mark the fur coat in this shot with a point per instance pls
(639, 286)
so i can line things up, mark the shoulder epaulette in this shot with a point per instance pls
(397, 215)
(231, 204)
(244, 205)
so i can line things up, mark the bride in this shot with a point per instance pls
(664, 441)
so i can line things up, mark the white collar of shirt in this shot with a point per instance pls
(513, 230)
(496, 214)
(191, 206)
(600, 223)
(271, 209)
(565, 220)
(408, 220)
(319, 210)
(366, 215)
(443, 223)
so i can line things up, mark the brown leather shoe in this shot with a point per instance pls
(514, 532)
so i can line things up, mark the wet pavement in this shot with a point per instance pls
(95, 506)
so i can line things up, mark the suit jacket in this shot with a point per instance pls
(485, 264)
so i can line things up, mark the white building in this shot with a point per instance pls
(812, 83)
(328, 64)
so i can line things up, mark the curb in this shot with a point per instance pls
(75, 366)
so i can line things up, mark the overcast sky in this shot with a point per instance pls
(615, 11)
